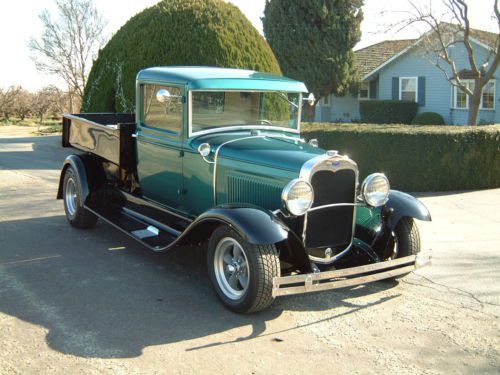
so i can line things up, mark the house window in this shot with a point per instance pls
(364, 91)
(488, 96)
(408, 89)
(461, 99)
(325, 101)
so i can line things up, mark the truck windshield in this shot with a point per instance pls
(216, 109)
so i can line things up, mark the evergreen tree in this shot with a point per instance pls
(313, 41)
(174, 32)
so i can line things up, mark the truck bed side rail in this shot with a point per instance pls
(107, 135)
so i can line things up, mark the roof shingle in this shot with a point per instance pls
(371, 57)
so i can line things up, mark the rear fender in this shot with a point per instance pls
(88, 171)
(401, 204)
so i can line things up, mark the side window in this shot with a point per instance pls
(162, 107)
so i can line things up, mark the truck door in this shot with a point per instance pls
(159, 143)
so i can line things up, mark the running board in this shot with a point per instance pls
(150, 233)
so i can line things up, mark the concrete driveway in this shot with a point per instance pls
(97, 302)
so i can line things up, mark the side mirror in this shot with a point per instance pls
(311, 99)
(163, 95)
(314, 142)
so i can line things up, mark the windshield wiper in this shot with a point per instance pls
(284, 96)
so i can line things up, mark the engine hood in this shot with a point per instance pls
(266, 149)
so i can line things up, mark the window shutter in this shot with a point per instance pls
(373, 89)
(421, 91)
(395, 88)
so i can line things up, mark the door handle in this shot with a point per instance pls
(135, 135)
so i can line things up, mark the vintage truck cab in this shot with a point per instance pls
(215, 156)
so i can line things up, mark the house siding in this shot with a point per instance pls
(341, 109)
(438, 91)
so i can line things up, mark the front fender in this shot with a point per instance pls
(253, 224)
(401, 204)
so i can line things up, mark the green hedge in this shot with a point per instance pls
(387, 111)
(418, 158)
(428, 118)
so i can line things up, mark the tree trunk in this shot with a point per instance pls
(308, 112)
(70, 97)
(474, 103)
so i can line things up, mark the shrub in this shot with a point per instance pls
(418, 158)
(428, 118)
(387, 111)
(174, 32)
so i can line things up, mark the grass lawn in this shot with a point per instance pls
(48, 126)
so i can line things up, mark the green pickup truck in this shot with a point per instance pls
(214, 158)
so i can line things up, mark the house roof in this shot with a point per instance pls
(485, 37)
(371, 57)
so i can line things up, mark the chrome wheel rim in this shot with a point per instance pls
(231, 268)
(71, 196)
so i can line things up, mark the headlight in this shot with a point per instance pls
(375, 189)
(298, 197)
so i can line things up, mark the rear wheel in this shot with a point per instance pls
(77, 215)
(241, 273)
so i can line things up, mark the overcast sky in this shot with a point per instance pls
(19, 21)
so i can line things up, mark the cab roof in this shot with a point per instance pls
(211, 78)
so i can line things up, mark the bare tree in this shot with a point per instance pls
(22, 104)
(69, 43)
(450, 29)
(42, 102)
(7, 99)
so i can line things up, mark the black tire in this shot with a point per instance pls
(407, 238)
(406, 241)
(263, 266)
(77, 215)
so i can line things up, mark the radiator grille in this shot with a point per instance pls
(247, 189)
(331, 227)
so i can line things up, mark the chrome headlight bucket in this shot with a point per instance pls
(375, 189)
(297, 197)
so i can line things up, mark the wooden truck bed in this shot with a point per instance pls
(108, 135)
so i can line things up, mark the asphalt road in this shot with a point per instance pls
(97, 302)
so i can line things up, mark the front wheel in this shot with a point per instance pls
(241, 273)
(406, 240)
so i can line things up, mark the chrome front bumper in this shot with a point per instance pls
(315, 282)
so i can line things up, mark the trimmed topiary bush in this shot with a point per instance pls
(428, 118)
(387, 111)
(174, 32)
(418, 158)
